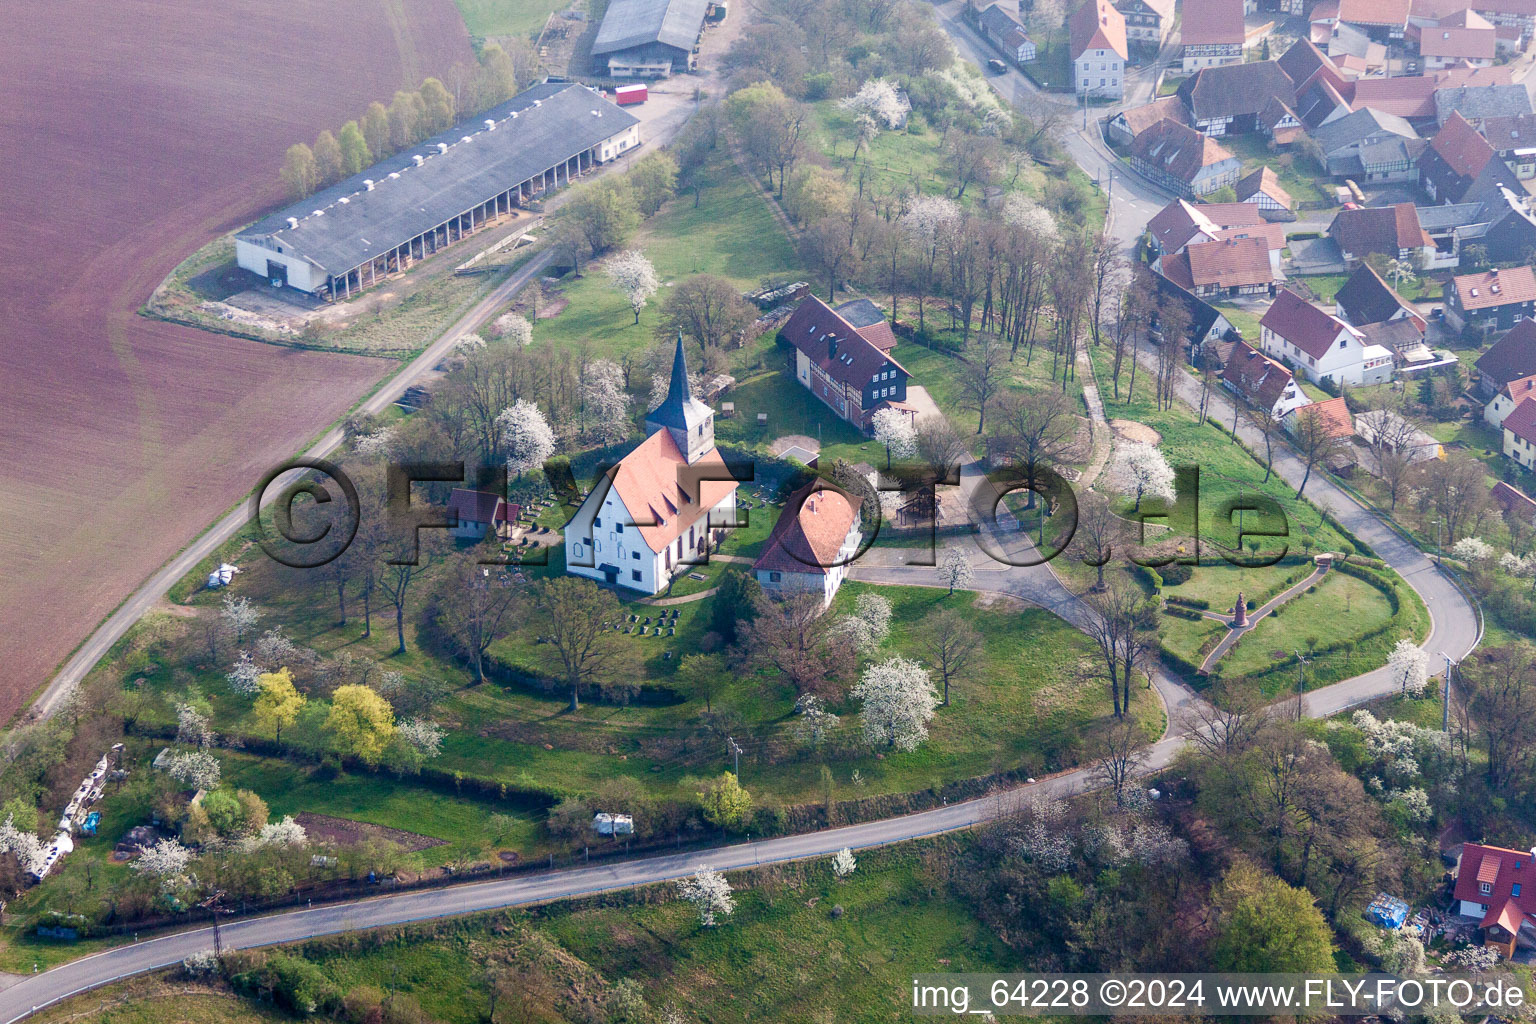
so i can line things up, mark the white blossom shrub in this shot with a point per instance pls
(195, 769)
(242, 677)
(898, 702)
(1472, 550)
(877, 100)
(513, 328)
(815, 722)
(844, 863)
(1408, 666)
(709, 893)
(201, 964)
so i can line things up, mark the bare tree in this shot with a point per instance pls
(982, 376)
(474, 605)
(1173, 319)
(1225, 723)
(1107, 265)
(950, 644)
(1499, 690)
(1123, 629)
(707, 309)
(793, 636)
(1035, 431)
(1315, 440)
(579, 616)
(970, 159)
(1098, 528)
(1118, 757)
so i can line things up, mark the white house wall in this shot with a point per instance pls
(252, 257)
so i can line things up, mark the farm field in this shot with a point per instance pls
(123, 436)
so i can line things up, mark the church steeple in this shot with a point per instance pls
(690, 421)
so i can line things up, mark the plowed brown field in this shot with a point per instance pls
(134, 131)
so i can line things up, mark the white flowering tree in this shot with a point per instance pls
(513, 328)
(426, 737)
(606, 401)
(242, 677)
(1021, 212)
(898, 702)
(275, 648)
(239, 615)
(286, 833)
(193, 726)
(843, 863)
(710, 895)
(27, 848)
(1139, 469)
(1042, 840)
(815, 722)
(869, 625)
(200, 964)
(527, 437)
(878, 101)
(1472, 550)
(955, 569)
(195, 769)
(374, 446)
(1409, 667)
(167, 860)
(632, 273)
(895, 430)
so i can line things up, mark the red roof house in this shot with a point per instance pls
(1498, 887)
(808, 551)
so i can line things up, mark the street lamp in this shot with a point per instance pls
(1445, 699)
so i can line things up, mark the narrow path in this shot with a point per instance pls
(1234, 635)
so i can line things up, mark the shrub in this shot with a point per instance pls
(1174, 574)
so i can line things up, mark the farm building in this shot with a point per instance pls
(650, 38)
(426, 197)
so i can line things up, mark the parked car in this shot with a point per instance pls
(997, 67)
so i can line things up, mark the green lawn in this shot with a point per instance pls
(1052, 67)
(1299, 175)
(487, 19)
(1341, 611)
(1246, 321)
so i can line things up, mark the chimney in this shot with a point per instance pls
(419, 159)
(490, 124)
(368, 184)
(293, 222)
(442, 147)
(831, 346)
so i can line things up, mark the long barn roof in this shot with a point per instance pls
(535, 130)
(637, 22)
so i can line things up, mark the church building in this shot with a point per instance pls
(659, 510)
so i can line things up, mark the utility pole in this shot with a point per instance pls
(735, 750)
(1301, 682)
(1445, 697)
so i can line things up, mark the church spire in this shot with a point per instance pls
(689, 420)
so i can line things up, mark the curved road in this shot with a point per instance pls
(1455, 631)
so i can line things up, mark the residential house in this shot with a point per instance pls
(1303, 61)
(1227, 100)
(1517, 14)
(479, 512)
(1411, 97)
(1519, 428)
(1509, 231)
(838, 363)
(1182, 223)
(1494, 300)
(662, 507)
(1097, 47)
(1148, 23)
(1207, 325)
(1333, 412)
(1319, 344)
(1183, 160)
(1451, 225)
(1212, 32)
(1460, 166)
(1405, 340)
(1382, 19)
(1477, 103)
(1005, 32)
(1262, 382)
(1367, 299)
(1262, 188)
(1223, 268)
(1392, 231)
(1462, 39)
(1123, 128)
(1507, 360)
(812, 543)
(1507, 397)
(1514, 140)
(1368, 145)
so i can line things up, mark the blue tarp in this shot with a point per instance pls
(1387, 911)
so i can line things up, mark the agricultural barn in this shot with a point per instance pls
(426, 197)
(650, 38)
